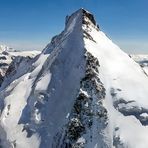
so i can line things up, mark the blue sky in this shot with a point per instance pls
(30, 24)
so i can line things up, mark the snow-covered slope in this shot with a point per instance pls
(142, 60)
(7, 55)
(82, 91)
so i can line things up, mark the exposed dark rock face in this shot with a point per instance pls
(3, 58)
(11, 71)
(15, 63)
(89, 16)
(88, 20)
(88, 36)
(9, 62)
(88, 111)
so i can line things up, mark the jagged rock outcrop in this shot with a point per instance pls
(88, 113)
(9, 60)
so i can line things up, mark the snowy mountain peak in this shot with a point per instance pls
(82, 91)
(86, 17)
(78, 22)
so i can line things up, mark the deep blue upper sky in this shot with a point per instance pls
(30, 24)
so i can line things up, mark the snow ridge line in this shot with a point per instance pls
(87, 114)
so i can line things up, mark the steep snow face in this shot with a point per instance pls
(126, 91)
(81, 91)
